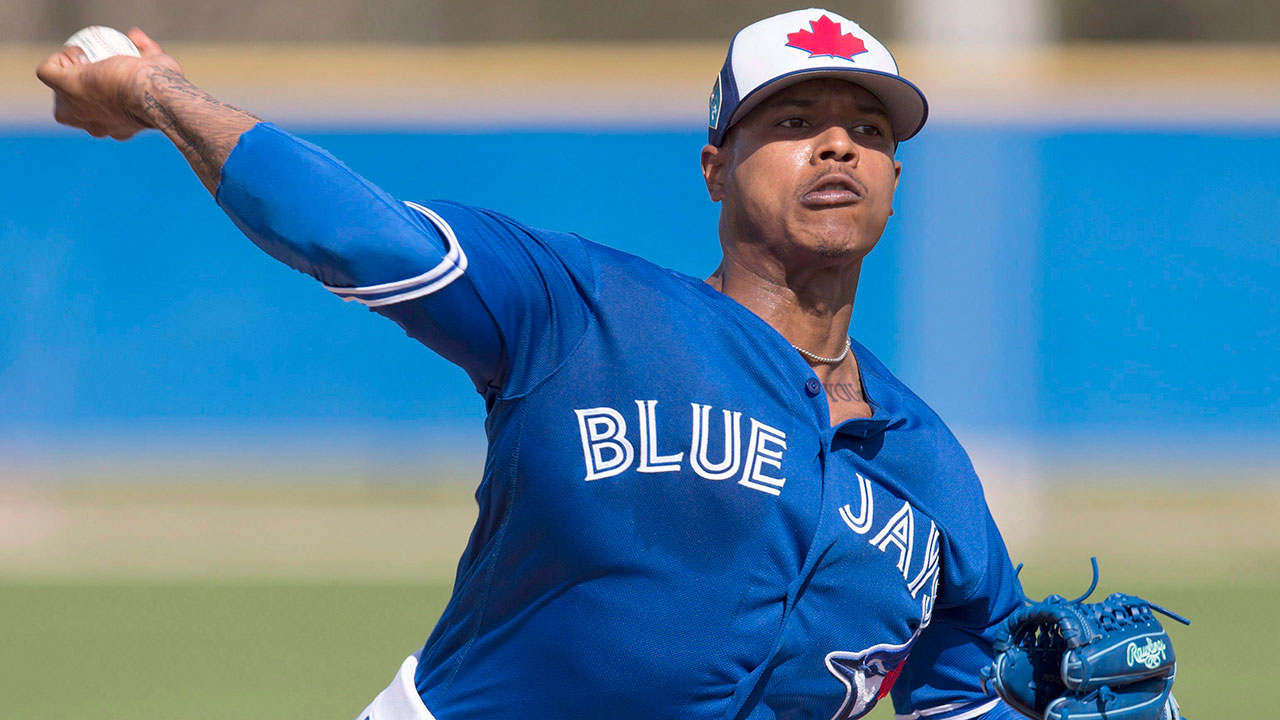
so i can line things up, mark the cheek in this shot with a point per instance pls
(771, 175)
(885, 179)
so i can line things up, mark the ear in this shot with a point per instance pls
(897, 175)
(714, 170)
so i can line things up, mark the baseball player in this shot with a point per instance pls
(701, 498)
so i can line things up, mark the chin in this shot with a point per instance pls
(831, 251)
(838, 251)
(838, 244)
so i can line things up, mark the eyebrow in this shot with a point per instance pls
(804, 102)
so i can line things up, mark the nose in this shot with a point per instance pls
(835, 144)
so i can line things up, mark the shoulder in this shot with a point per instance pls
(469, 220)
(471, 223)
(951, 465)
(944, 484)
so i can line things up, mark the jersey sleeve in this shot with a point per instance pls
(504, 301)
(977, 590)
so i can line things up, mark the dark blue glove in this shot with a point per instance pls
(1060, 659)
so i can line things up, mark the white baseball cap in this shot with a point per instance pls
(786, 49)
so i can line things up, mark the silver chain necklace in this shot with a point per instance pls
(827, 360)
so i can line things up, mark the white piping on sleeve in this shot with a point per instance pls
(452, 266)
(939, 710)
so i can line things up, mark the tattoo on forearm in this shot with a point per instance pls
(203, 128)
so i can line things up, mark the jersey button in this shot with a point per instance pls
(812, 387)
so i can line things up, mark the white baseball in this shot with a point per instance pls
(100, 43)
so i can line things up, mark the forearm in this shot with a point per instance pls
(202, 127)
(295, 200)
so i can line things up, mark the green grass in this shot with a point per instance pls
(205, 650)
(147, 650)
(164, 603)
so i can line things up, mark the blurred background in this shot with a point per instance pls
(224, 493)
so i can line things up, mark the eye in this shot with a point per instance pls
(868, 129)
(794, 123)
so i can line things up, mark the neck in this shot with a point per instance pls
(811, 307)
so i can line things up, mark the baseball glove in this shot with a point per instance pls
(1065, 659)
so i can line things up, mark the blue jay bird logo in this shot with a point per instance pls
(867, 676)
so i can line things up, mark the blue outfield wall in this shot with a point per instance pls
(1035, 281)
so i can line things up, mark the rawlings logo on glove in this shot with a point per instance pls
(1060, 659)
(1152, 654)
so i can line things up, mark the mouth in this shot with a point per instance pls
(833, 190)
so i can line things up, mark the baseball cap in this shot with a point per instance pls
(786, 49)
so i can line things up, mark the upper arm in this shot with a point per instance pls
(503, 301)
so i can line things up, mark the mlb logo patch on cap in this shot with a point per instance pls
(786, 49)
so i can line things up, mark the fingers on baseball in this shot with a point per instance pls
(76, 54)
(124, 133)
(116, 128)
(151, 50)
(114, 131)
(146, 46)
(58, 66)
(63, 114)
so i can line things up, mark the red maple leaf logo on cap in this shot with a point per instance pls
(826, 39)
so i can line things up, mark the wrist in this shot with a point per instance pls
(144, 98)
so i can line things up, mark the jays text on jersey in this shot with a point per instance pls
(668, 525)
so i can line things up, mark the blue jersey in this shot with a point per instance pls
(669, 526)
